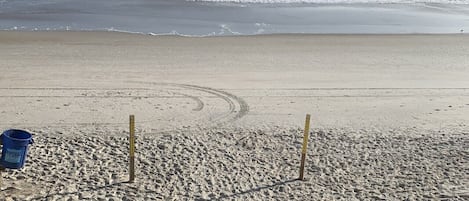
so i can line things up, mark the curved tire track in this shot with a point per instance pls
(200, 103)
(232, 100)
(237, 108)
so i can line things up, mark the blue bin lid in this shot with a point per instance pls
(16, 134)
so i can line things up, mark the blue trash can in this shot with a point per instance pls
(15, 148)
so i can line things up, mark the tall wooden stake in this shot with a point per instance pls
(132, 149)
(1, 178)
(2, 169)
(305, 145)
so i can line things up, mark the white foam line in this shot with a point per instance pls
(221, 33)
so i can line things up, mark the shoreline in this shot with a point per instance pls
(235, 35)
(251, 19)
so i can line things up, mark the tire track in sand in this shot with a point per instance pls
(200, 103)
(237, 107)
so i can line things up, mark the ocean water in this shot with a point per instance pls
(238, 17)
(343, 1)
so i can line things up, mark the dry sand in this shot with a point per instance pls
(221, 117)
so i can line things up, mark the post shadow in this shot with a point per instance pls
(81, 190)
(257, 189)
(234, 195)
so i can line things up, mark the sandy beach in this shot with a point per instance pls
(221, 118)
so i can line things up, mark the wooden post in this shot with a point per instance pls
(2, 169)
(1, 178)
(132, 149)
(305, 145)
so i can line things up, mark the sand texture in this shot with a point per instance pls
(247, 164)
(221, 118)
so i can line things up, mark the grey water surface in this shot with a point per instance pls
(205, 19)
